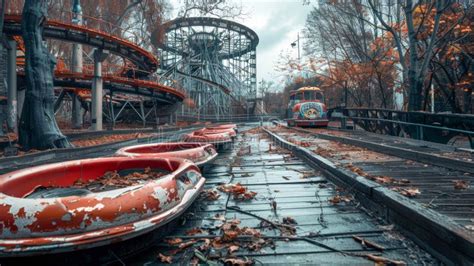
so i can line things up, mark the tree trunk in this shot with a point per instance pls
(38, 127)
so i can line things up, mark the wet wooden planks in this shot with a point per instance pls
(436, 185)
(406, 143)
(300, 193)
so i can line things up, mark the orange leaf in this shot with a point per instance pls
(461, 184)
(237, 261)
(233, 248)
(165, 259)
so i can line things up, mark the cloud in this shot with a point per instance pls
(277, 24)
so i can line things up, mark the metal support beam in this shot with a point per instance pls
(12, 87)
(76, 67)
(97, 89)
(76, 118)
(142, 112)
(112, 112)
(21, 100)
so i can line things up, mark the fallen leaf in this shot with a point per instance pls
(260, 243)
(211, 194)
(335, 200)
(383, 179)
(287, 230)
(250, 232)
(385, 261)
(239, 262)
(323, 152)
(246, 196)
(218, 243)
(230, 235)
(461, 184)
(165, 259)
(114, 179)
(411, 192)
(238, 191)
(307, 174)
(233, 248)
(368, 243)
(340, 198)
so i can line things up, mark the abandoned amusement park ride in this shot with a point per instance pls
(216, 179)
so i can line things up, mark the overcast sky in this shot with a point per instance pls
(277, 23)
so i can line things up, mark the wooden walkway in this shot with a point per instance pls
(286, 188)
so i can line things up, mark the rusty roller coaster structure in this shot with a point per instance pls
(215, 60)
(131, 85)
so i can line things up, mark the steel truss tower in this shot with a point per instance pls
(215, 62)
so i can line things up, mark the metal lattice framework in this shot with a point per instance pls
(214, 60)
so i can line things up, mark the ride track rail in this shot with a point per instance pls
(437, 216)
(223, 88)
(222, 72)
(81, 34)
(73, 80)
(323, 231)
(144, 60)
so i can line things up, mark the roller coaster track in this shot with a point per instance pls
(81, 34)
(145, 61)
(206, 81)
(215, 84)
(223, 88)
(120, 84)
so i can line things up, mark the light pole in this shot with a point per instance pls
(297, 43)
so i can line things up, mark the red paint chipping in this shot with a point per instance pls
(7, 220)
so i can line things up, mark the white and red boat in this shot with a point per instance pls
(200, 153)
(221, 140)
(224, 126)
(210, 131)
(89, 204)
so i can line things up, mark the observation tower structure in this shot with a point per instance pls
(214, 60)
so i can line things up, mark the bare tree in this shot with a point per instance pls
(38, 127)
(424, 42)
(216, 8)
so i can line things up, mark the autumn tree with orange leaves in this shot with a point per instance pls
(370, 50)
(425, 29)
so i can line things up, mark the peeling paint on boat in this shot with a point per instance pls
(48, 225)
